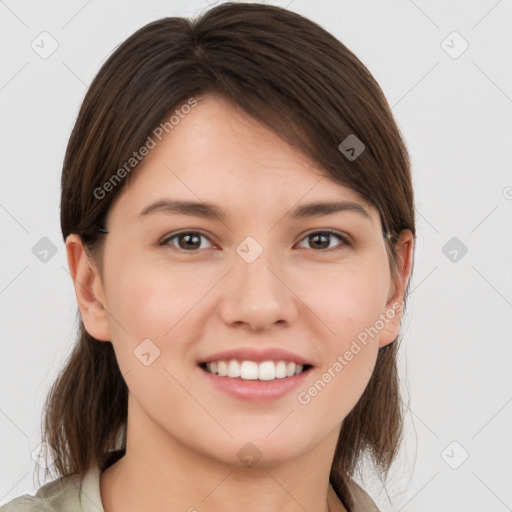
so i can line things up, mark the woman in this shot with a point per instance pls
(239, 223)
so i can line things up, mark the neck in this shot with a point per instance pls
(160, 473)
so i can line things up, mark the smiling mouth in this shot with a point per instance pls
(252, 370)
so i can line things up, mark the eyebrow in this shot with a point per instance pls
(211, 211)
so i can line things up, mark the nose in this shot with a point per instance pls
(257, 295)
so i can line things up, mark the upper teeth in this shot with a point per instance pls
(250, 370)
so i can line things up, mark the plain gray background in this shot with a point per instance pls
(455, 112)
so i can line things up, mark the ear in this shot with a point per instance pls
(393, 312)
(88, 289)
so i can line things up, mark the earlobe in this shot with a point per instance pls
(88, 289)
(393, 312)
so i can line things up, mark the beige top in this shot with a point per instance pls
(66, 495)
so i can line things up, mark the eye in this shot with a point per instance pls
(190, 240)
(187, 240)
(321, 240)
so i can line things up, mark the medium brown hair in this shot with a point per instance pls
(309, 88)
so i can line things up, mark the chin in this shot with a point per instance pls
(258, 450)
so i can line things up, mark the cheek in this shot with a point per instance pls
(334, 392)
(349, 304)
(149, 298)
(346, 301)
(155, 302)
(150, 310)
(348, 344)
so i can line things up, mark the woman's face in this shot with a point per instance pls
(185, 288)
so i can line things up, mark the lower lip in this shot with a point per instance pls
(256, 390)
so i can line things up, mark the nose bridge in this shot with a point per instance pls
(254, 265)
(259, 296)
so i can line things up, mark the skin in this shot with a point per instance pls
(184, 433)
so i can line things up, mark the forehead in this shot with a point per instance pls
(218, 154)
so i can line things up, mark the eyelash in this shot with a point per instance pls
(344, 239)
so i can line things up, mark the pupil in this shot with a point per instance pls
(322, 235)
(188, 239)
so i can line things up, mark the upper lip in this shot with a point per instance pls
(257, 355)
